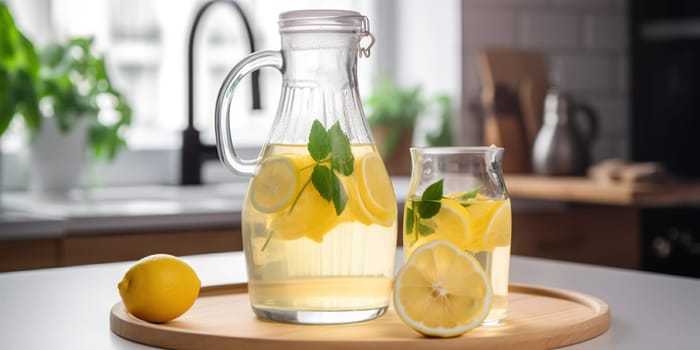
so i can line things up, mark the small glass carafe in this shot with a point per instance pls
(458, 194)
(319, 218)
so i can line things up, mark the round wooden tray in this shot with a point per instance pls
(221, 318)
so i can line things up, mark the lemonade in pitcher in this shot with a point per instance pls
(319, 218)
(458, 195)
(309, 254)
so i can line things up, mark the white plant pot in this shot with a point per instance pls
(56, 160)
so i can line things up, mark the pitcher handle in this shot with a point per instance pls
(222, 123)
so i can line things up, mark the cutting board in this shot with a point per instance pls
(221, 318)
(514, 84)
(532, 92)
(505, 130)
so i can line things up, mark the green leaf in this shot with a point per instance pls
(53, 74)
(52, 55)
(425, 230)
(469, 195)
(321, 179)
(342, 159)
(433, 192)
(340, 197)
(430, 204)
(6, 101)
(19, 72)
(428, 209)
(319, 142)
(390, 104)
(27, 100)
(329, 187)
(332, 152)
(409, 219)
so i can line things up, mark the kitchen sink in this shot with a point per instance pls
(174, 203)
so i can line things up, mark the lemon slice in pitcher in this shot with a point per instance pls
(442, 291)
(274, 184)
(296, 211)
(376, 194)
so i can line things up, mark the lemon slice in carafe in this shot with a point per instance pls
(452, 223)
(499, 228)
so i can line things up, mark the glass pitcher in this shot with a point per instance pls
(319, 218)
(458, 194)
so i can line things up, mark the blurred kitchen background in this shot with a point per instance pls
(630, 65)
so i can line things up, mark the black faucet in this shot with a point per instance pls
(194, 153)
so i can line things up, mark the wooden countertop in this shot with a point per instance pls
(587, 190)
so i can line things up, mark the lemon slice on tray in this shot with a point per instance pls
(442, 291)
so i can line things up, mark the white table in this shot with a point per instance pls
(68, 308)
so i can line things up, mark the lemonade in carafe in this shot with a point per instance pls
(319, 218)
(457, 194)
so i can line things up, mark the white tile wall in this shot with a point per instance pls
(610, 110)
(585, 43)
(619, 5)
(610, 145)
(620, 67)
(471, 73)
(549, 30)
(605, 31)
(581, 4)
(499, 24)
(584, 72)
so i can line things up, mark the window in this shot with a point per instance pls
(145, 45)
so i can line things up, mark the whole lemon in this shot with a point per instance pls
(159, 288)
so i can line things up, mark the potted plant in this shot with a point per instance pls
(443, 135)
(19, 74)
(67, 101)
(393, 112)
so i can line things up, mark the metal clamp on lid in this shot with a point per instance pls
(364, 33)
